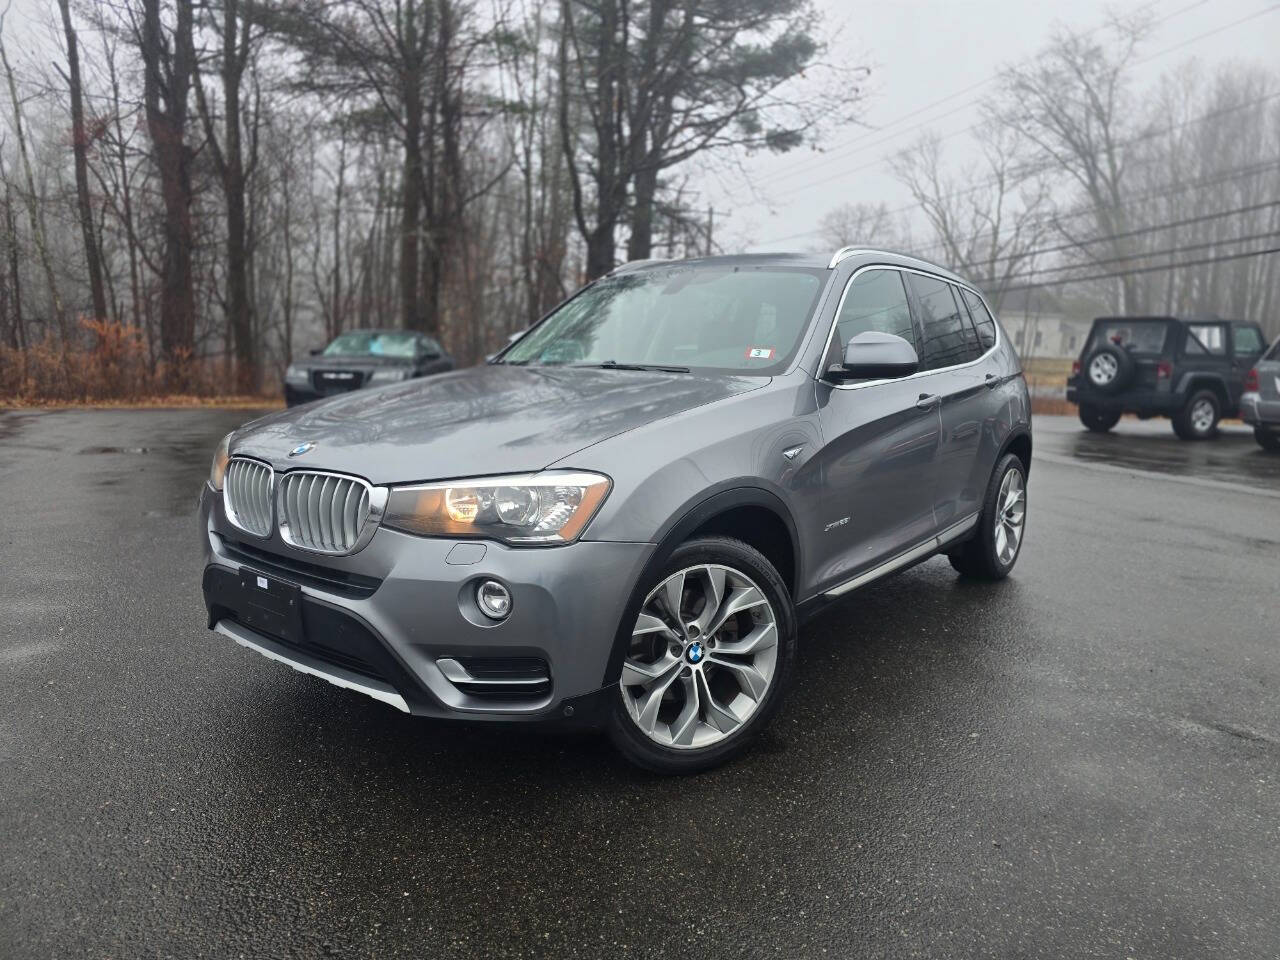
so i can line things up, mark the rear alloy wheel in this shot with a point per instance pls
(1198, 419)
(1099, 421)
(709, 653)
(996, 543)
(1267, 439)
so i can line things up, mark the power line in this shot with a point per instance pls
(1167, 251)
(1129, 273)
(1156, 228)
(827, 160)
(1222, 176)
(840, 152)
(1044, 166)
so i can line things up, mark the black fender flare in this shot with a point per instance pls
(1017, 433)
(713, 502)
(1196, 379)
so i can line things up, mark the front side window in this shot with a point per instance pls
(984, 322)
(1248, 342)
(369, 343)
(745, 319)
(947, 338)
(875, 300)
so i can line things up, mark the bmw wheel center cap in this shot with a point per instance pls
(695, 652)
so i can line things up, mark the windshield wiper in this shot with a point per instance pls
(615, 365)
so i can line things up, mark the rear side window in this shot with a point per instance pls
(1274, 353)
(1248, 341)
(1211, 336)
(1136, 336)
(948, 339)
(875, 300)
(982, 320)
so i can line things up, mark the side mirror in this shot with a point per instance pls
(872, 355)
(316, 351)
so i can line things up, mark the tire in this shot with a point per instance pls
(1108, 369)
(1199, 416)
(1268, 440)
(985, 555)
(735, 694)
(1098, 421)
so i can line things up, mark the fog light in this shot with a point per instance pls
(494, 600)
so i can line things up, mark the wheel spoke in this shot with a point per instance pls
(752, 681)
(646, 707)
(741, 598)
(685, 725)
(673, 595)
(762, 637)
(716, 578)
(637, 674)
(647, 623)
(717, 714)
(1002, 541)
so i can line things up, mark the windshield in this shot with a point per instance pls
(710, 316)
(368, 343)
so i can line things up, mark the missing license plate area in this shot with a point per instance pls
(271, 605)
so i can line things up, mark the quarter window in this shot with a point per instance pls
(876, 300)
(947, 339)
(984, 322)
(1248, 341)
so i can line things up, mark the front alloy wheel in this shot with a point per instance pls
(706, 656)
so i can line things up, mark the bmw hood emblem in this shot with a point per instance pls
(302, 448)
(695, 652)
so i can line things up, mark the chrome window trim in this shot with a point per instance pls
(377, 506)
(229, 512)
(844, 253)
(826, 347)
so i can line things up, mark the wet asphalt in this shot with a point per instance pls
(1083, 761)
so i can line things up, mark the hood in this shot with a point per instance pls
(483, 420)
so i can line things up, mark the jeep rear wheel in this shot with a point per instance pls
(1099, 421)
(1198, 418)
(1267, 439)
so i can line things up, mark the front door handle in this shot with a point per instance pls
(928, 401)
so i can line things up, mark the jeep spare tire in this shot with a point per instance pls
(1109, 369)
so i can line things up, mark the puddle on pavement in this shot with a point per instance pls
(1232, 457)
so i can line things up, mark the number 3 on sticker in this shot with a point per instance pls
(760, 353)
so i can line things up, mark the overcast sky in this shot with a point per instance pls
(922, 51)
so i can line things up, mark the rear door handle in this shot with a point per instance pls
(992, 381)
(928, 400)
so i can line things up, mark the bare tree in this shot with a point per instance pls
(991, 232)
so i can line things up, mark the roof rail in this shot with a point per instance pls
(844, 253)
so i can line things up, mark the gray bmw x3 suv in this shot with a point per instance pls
(622, 518)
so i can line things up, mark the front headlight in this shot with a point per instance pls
(389, 375)
(295, 376)
(218, 469)
(535, 508)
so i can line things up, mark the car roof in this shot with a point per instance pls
(859, 256)
(379, 331)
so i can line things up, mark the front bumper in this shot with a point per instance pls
(397, 620)
(1256, 411)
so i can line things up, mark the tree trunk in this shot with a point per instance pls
(80, 150)
(167, 82)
